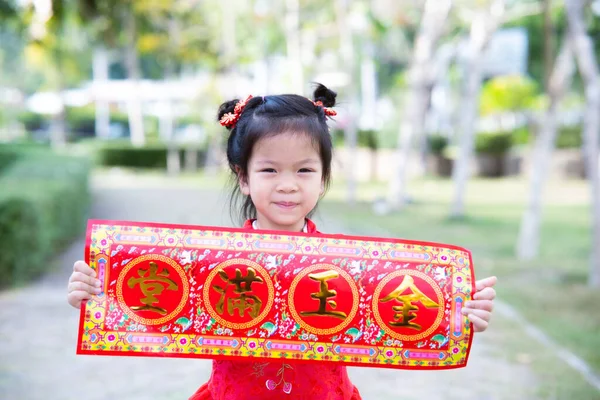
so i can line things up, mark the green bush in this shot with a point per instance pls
(493, 143)
(521, 136)
(13, 151)
(437, 144)
(366, 138)
(33, 121)
(569, 137)
(509, 93)
(81, 121)
(7, 158)
(43, 205)
(124, 154)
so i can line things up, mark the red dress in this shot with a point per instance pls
(273, 380)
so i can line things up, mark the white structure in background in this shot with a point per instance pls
(164, 99)
(506, 54)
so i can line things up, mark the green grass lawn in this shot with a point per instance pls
(551, 291)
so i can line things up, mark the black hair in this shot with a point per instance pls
(269, 116)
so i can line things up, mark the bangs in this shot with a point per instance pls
(268, 127)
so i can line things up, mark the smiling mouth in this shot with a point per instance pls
(286, 204)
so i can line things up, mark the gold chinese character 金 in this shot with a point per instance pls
(243, 286)
(152, 284)
(408, 311)
(323, 295)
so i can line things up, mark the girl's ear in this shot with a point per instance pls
(242, 181)
(322, 191)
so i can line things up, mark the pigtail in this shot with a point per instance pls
(324, 95)
(226, 108)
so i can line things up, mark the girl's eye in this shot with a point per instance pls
(269, 170)
(306, 170)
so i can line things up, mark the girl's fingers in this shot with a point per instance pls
(81, 277)
(484, 283)
(479, 324)
(75, 298)
(487, 305)
(484, 315)
(486, 294)
(81, 266)
(78, 286)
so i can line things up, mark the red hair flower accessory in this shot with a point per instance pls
(230, 119)
(328, 111)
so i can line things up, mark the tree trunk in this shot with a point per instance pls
(350, 131)
(548, 43)
(560, 80)
(168, 120)
(100, 73)
(588, 69)
(292, 34)
(134, 106)
(483, 27)
(368, 103)
(419, 82)
(58, 125)
(58, 128)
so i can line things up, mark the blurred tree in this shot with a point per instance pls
(485, 22)
(115, 24)
(583, 49)
(544, 30)
(508, 93)
(54, 39)
(548, 42)
(529, 233)
(420, 81)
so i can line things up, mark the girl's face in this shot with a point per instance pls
(285, 181)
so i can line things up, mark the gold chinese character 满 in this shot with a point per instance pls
(152, 284)
(243, 286)
(323, 295)
(407, 311)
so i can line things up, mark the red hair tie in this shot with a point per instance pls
(230, 119)
(328, 111)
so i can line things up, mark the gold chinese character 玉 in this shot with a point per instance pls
(152, 284)
(243, 285)
(323, 294)
(405, 311)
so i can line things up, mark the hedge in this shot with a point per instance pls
(493, 143)
(365, 138)
(569, 137)
(124, 154)
(44, 204)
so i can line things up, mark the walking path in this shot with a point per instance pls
(38, 331)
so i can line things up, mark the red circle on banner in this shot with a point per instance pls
(152, 289)
(408, 305)
(238, 293)
(323, 299)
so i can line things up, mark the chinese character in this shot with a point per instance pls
(152, 284)
(243, 285)
(406, 310)
(324, 294)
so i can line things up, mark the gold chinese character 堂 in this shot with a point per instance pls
(152, 284)
(323, 295)
(407, 311)
(243, 286)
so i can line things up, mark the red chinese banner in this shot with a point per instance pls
(207, 292)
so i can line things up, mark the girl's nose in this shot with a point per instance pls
(287, 185)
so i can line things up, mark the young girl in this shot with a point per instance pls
(279, 150)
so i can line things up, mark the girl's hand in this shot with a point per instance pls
(82, 284)
(479, 310)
